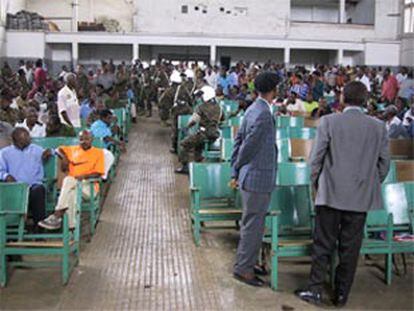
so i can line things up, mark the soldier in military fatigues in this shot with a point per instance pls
(7, 113)
(208, 115)
(167, 98)
(182, 106)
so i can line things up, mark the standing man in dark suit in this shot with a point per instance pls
(254, 171)
(349, 161)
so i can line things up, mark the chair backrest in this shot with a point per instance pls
(309, 122)
(293, 197)
(14, 200)
(235, 121)
(392, 174)
(55, 142)
(401, 148)
(120, 115)
(405, 170)
(377, 218)
(211, 179)
(397, 198)
(286, 121)
(50, 168)
(226, 132)
(283, 147)
(301, 148)
(226, 147)
(302, 133)
(183, 120)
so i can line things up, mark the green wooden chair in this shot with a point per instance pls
(120, 114)
(288, 229)
(15, 241)
(50, 168)
(302, 133)
(182, 132)
(286, 121)
(283, 146)
(226, 147)
(211, 197)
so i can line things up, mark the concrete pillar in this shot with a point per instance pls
(135, 51)
(75, 54)
(340, 57)
(75, 15)
(213, 55)
(342, 13)
(287, 56)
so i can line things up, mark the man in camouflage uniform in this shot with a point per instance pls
(167, 99)
(7, 113)
(182, 106)
(208, 115)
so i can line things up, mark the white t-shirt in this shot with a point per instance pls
(39, 130)
(393, 121)
(366, 82)
(68, 101)
(407, 115)
(298, 106)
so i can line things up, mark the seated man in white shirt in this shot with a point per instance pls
(294, 104)
(393, 124)
(32, 123)
(409, 116)
(68, 104)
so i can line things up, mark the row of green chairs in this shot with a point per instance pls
(14, 240)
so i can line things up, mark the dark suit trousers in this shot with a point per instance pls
(255, 207)
(335, 227)
(37, 203)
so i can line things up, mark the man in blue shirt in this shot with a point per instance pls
(23, 162)
(102, 129)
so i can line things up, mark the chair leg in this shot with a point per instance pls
(388, 268)
(196, 230)
(274, 271)
(3, 270)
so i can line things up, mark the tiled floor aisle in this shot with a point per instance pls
(143, 257)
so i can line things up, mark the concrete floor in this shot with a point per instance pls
(143, 257)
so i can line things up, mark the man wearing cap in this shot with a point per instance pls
(169, 96)
(254, 171)
(208, 115)
(181, 106)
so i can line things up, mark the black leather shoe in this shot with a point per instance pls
(309, 296)
(182, 170)
(255, 281)
(259, 270)
(340, 300)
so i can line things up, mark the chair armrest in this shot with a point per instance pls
(5, 213)
(273, 213)
(194, 189)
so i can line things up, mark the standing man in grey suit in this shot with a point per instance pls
(254, 172)
(349, 161)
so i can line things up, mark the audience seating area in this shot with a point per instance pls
(290, 220)
(15, 238)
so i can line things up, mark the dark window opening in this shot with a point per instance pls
(184, 9)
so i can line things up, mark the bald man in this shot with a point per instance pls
(82, 162)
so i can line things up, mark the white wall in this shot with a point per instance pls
(164, 16)
(88, 11)
(310, 57)
(387, 54)
(407, 51)
(387, 27)
(25, 44)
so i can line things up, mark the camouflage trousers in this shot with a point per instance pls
(195, 142)
(177, 111)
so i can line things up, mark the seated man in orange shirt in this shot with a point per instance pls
(83, 162)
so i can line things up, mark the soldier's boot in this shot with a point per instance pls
(134, 120)
(182, 170)
(149, 113)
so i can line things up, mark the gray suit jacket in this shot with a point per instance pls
(349, 160)
(254, 155)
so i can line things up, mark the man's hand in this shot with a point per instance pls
(64, 165)
(46, 154)
(10, 178)
(234, 184)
